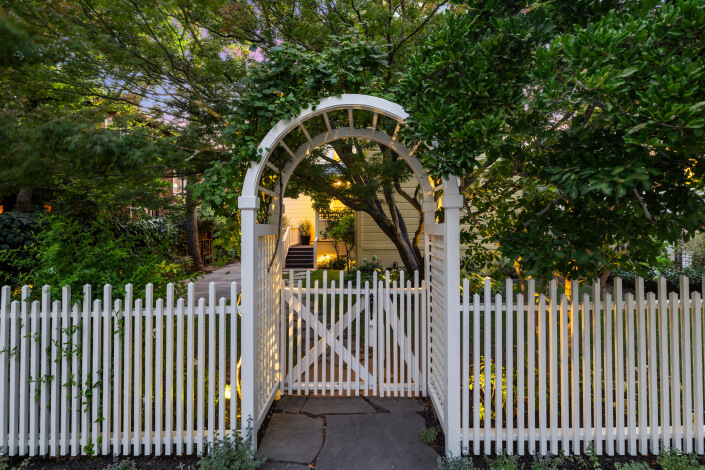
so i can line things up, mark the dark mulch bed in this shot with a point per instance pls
(431, 420)
(99, 463)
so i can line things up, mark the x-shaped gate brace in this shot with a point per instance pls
(336, 341)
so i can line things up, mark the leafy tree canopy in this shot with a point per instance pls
(576, 129)
(190, 67)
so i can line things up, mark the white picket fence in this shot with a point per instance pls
(122, 377)
(619, 373)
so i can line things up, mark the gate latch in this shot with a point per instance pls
(372, 304)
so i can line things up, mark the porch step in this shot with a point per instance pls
(299, 257)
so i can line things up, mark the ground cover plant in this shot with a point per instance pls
(429, 435)
(230, 453)
(666, 460)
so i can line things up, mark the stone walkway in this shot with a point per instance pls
(341, 433)
(222, 277)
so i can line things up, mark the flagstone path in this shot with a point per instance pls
(342, 433)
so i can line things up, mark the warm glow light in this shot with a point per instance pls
(239, 390)
(227, 392)
(336, 205)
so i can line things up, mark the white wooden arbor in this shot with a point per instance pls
(335, 118)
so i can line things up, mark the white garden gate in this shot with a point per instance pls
(285, 340)
(355, 338)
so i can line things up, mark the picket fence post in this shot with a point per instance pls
(248, 206)
(451, 256)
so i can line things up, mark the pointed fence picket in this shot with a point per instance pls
(104, 376)
(607, 372)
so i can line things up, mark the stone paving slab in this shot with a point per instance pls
(291, 403)
(375, 441)
(398, 404)
(292, 438)
(336, 405)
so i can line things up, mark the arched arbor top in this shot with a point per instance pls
(337, 117)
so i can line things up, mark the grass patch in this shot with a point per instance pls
(316, 275)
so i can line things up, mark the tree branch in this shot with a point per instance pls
(543, 211)
(418, 28)
(649, 218)
(411, 200)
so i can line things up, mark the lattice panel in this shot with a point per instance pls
(436, 323)
(267, 314)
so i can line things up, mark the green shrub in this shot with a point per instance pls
(676, 460)
(503, 462)
(651, 275)
(476, 285)
(230, 453)
(66, 252)
(16, 233)
(337, 264)
(227, 242)
(503, 269)
(366, 270)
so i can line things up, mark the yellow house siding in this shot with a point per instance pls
(299, 209)
(371, 240)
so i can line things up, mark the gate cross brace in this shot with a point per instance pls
(326, 335)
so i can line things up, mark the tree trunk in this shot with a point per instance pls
(24, 199)
(603, 282)
(192, 246)
(393, 225)
(400, 238)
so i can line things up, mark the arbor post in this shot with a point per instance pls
(451, 254)
(248, 382)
